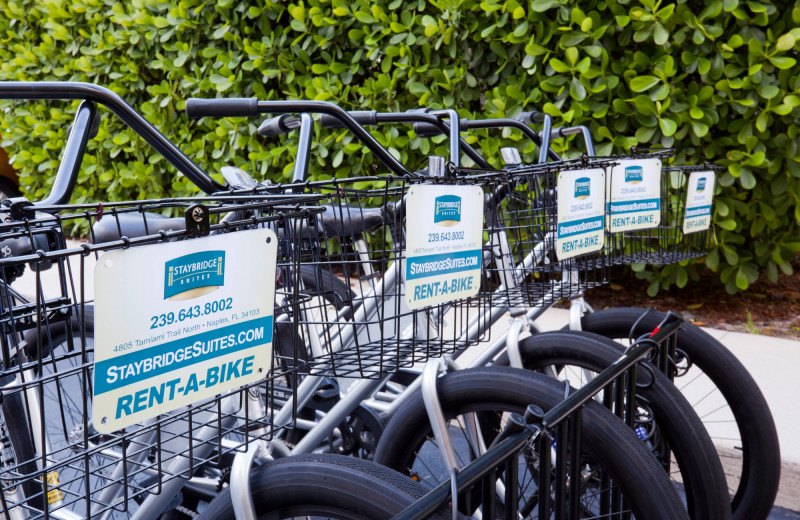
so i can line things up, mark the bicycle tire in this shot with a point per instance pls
(754, 488)
(645, 485)
(62, 402)
(682, 430)
(320, 484)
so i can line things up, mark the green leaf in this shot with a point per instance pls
(729, 225)
(785, 43)
(747, 180)
(572, 55)
(761, 121)
(558, 65)
(768, 91)
(782, 62)
(417, 88)
(741, 279)
(642, 83)
(682, 277)
(660, 35)
(576, 90)
(700, 129)
(541, 6)
(645, 106)
(668, 126)
(735, 41)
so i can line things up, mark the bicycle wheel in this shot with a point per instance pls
(664, 420)
(323, 486)
(726, 398)
(609, 448)
(67, 372)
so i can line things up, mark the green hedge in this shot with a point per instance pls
(717, 80)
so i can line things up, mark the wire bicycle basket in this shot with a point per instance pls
(684, 231)
(357, 316)
(55, 460)
(532, 263)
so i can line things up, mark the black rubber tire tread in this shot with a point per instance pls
(646, 485)
(700, 467)
(324, 480)
(761, 452)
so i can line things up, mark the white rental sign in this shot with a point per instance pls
(180, 322)
(581, 203)
(634, 200)
(444, 237)
(699, 196)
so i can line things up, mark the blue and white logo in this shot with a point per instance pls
(582, 187)
(447, 210)
(633, 174)
(203, 269)
(701, 184)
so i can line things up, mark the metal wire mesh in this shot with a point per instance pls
(524, 270)
(667, 243)
(54, 461)
(353, 312)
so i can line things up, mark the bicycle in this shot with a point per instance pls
(361, 213)
(723, 391)
(98, 473)
(170, 485)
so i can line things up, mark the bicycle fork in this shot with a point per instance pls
(433, 407)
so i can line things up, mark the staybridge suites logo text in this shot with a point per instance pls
(582, 187)
(447, 210)
(194, 275)
(633, 174)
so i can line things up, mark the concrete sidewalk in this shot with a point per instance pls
(772, 362)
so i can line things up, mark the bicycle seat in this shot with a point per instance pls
(345, 221)
(131, 225)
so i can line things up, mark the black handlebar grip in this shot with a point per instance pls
(531, 118)
(362, 117)
(222, 107)
(426, 130)
(275, 126)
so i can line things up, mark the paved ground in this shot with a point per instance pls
(773, 363)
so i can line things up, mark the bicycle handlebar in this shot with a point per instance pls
(278, 125)
(362, 117)
(416, 117)
(562, 132)
(101, 95)
(531, 118)
(244, 107)
(221, 107)
(426, 130)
